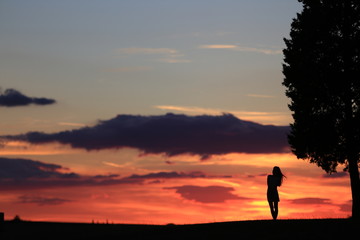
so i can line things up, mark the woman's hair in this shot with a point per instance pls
(277, 173)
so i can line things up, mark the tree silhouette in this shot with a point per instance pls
(322, 79)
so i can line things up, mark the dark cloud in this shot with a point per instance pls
(208, 194)
(20, 169)
(318, 201)
(41, 200)
(336, 175)
(258, 175)
(172, 134)
(13, 98)
(31, 174)
(346, 207)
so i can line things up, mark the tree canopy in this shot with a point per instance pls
(322, 79)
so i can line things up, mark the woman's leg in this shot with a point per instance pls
(276, 210)
(272, 210)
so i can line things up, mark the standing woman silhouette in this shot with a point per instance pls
(273, 181)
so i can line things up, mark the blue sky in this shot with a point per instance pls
(103, 58)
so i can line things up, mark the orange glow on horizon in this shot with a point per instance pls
(240, 181)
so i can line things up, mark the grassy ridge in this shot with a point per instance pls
(261, 229)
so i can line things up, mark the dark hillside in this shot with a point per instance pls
(261, 229)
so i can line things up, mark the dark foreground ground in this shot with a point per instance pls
(261, 229)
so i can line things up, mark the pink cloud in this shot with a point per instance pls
(311, 200)
(208, 194)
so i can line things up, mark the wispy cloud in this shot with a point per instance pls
(311, 200)
(277, 118)
(136, 50)
(201, 34)
(267, 51)
(41, 200)
(188, 109)
(111, 164)
(166, 55)
(72, 124)
(260, 96)
(17, 148)
(259, 50)
(128, 69)
(174, 60)
(218, 46)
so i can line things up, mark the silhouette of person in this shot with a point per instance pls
(273, 181)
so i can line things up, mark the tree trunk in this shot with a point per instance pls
(355, 187)
(350, 122)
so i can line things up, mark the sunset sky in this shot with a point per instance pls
(151, 111)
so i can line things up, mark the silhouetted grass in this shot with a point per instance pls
(259, 229)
